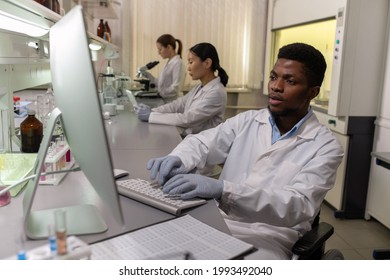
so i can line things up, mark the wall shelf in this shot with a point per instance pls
(31, 12)
(99, 9)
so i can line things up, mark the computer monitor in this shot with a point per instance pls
(78, 107)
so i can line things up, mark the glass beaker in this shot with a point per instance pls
(60, 229)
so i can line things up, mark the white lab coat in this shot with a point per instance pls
(171, 80)
(201, 108)
(271, 193)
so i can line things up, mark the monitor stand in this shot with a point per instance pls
(80, 219)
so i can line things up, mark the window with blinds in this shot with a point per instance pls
(236, 28)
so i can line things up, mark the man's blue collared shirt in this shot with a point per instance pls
(276, 133)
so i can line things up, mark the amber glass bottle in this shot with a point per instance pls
(56, 7)
(31, 130)
(100, 29)
(107, 27)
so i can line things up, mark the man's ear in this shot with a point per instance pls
(314, 91)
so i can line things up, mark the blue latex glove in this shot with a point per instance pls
(143, 112)
(194, 185)
(165, 168)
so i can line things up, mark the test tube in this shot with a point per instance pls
(52, 149)
(68, 156)
(52, 240)
(19, 238)
(60, 228)
(43, 177)
(20, 247)
(61, 162)
(49, 168)
(62, 140)
(58, 144)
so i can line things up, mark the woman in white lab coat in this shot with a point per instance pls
(201, 108)
(279, 162)
(171, 80)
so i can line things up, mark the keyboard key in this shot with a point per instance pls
(151, 194)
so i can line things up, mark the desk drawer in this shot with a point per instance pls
(333, 123)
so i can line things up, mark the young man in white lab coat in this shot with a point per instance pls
(279, 162)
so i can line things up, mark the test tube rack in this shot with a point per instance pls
(61, 159)
(77, 250)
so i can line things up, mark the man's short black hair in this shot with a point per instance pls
(312, 59)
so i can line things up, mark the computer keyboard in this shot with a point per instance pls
(152, 195)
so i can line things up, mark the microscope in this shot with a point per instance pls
(149, 89)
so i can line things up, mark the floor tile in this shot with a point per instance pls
(351, 255)
(366, 253)
(363, 238)
(355, 238)
(336, 242)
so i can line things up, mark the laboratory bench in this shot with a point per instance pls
(240, 99)
(132, 143)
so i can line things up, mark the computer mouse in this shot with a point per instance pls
(120, 173)
(5, 198)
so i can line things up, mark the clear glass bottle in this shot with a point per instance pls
(31, 130)
(109, 92)
(46, 105)
(107, 30)
(107, 27)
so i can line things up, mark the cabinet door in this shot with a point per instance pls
(378, 205)
(384, 111)
(378, 195)
(335, 195)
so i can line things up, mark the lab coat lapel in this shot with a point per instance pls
(305, 133)
(195, 94)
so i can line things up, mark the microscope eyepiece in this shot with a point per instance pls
(150, 65)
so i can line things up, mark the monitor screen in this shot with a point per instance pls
(78, 107)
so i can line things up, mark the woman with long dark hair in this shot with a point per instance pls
(202, 107)
(170, 82)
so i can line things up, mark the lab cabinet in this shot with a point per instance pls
(15, 77)
(378, 196)
(336, 193)
(23, 64)
(355, 134)
(378, 205)
(24, 58)
(354, 47)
